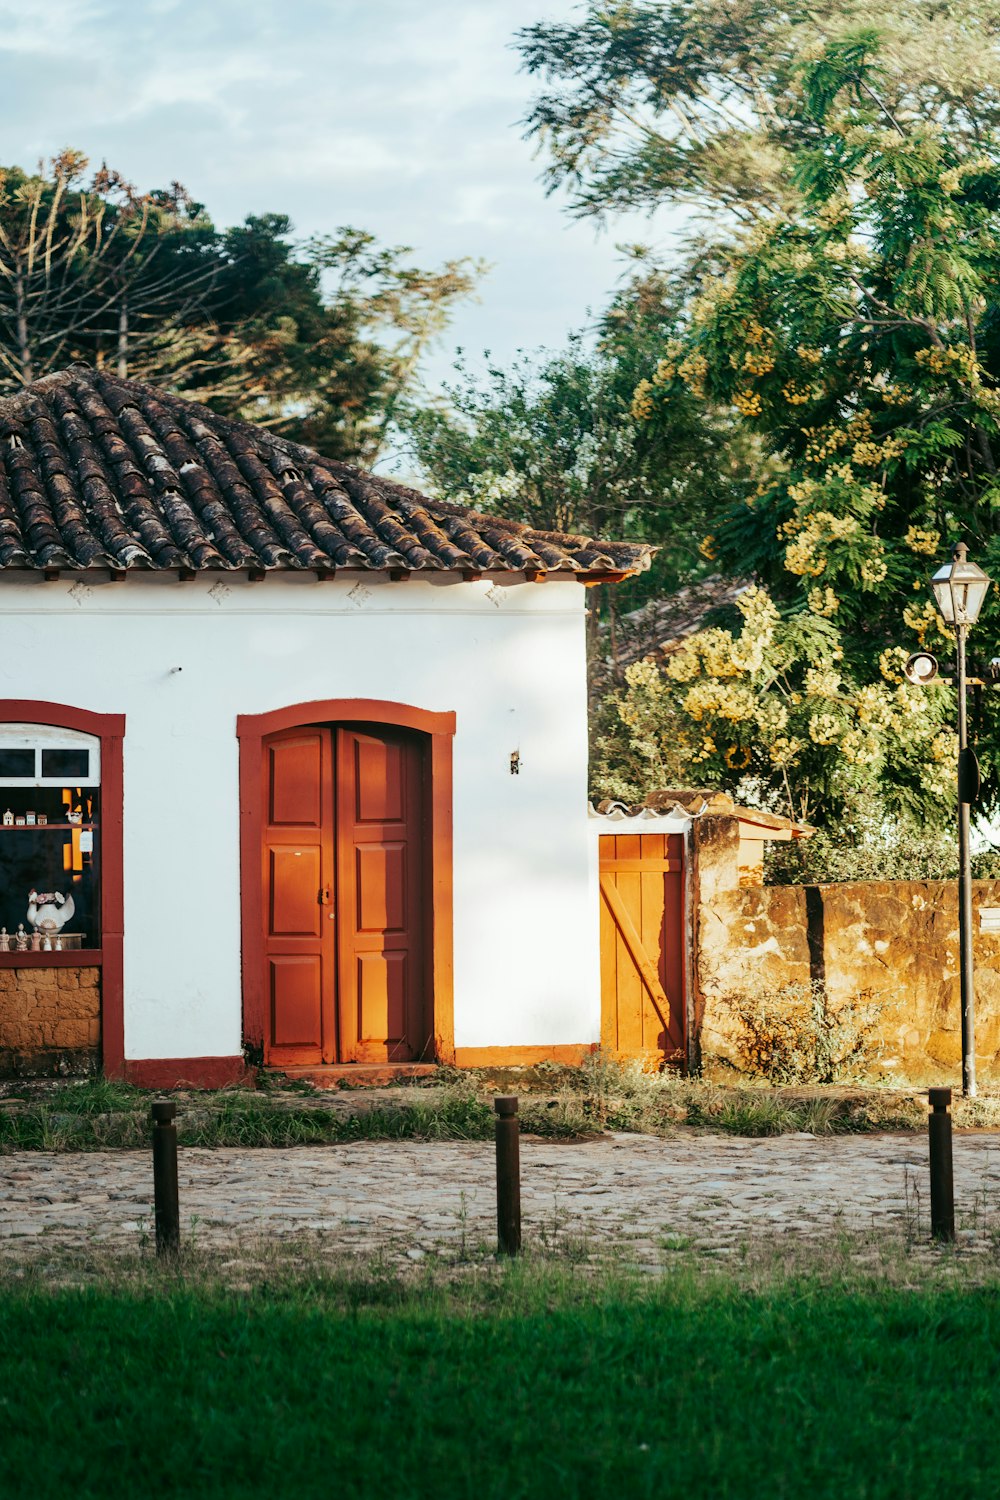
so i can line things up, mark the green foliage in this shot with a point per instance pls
(870, 845)
(797, 1034)
(553, 441)
(318, 340)
(846, 310)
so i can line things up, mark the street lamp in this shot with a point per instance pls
(959, 590)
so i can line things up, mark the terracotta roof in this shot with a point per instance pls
(661, 626)
(98, 472)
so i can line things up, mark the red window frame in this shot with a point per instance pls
(109, 957)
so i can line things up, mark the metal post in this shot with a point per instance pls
(165, 1200)
(965, 890)
(942, 1176)
(508, 1174)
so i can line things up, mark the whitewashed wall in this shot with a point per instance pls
(507, 658)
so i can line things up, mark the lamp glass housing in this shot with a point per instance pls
(959, 589)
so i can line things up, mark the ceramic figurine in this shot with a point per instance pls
(8, 819)
(19, 821)
(29, 819)
(36, 941)
(42, 820)
(75, 816)
(46, 942)
(21, 938)
(4, 940)
(50, 912)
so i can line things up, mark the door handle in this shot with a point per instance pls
(324, 896)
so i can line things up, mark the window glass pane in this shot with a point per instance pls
(50, 844)
(18, 763)
(65, 762)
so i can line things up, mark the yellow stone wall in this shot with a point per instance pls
(897, 940)
(47, 1013)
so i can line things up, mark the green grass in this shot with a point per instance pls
(516, 1382)
(95, 1117)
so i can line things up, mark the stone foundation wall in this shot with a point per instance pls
(897, 940)
(50, 1020)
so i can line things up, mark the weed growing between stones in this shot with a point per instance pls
(797, 1033)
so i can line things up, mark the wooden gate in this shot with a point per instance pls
(642, 945)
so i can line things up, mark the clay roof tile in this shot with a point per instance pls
(98, 472)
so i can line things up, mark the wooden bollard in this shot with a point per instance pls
(942, 1174)
(508, 1175)
(166, 1204)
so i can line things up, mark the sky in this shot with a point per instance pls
(395, 116)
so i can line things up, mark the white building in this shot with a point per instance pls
(307, 750)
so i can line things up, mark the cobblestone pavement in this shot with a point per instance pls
(414, 1198)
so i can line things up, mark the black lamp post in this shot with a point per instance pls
(959, 590)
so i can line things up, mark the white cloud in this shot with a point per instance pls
(397, 116)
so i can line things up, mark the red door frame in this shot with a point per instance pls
(251, 730)
(109, 958)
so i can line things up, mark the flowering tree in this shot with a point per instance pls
(851, 320)
(770, 708)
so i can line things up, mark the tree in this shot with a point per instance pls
(553, 442)
(333, 329)
(99, 270)
(318, 340)
(853, 327)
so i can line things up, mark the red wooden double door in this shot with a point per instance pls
(345, 871)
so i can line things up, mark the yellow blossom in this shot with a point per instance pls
(859, 748)
(785, 751)
(823, 602)
(801, 559)
(748, 403)
(890, 663)
(920, 539)
(642, 401)
(823, 729)
(822, 682)
(794, 395)
(874, 569)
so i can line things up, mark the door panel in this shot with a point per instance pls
(379, 780)
(381, 887)
(298, 874)
(295, 780)
(381, 854)
(297, 1001)
(381, 997)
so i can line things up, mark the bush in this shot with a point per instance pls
(797, 1034)
(873, 848)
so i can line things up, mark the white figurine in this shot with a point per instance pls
(8, 819)
(4, 940)
(21, 938)
(50, 912)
